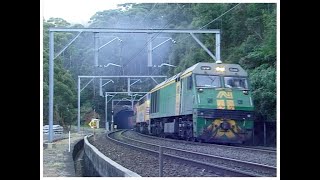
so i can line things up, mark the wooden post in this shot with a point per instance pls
(94, 134)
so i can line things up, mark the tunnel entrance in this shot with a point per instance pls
(124, 119)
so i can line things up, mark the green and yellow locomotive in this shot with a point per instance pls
(206, 102)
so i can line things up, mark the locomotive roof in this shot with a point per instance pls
(207, 68)
(229, 69)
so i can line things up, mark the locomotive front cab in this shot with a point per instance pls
(223, 106)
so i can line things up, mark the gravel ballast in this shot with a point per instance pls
(228, 152)
(145, 164)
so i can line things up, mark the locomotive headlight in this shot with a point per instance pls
(200, 90)
(245, 92)
(220, 69)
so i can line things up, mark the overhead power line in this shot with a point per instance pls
(146, 44)
(141, 22)
(220, 16)
(212, 20)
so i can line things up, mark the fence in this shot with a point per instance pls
(57, 129)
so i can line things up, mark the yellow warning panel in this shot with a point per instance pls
(220, 104)
(230, 104)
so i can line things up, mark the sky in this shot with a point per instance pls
(76, 11)
(80, 11)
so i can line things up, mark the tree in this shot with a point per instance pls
(64, 84)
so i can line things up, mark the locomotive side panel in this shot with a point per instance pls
(163, 102)
(187, 95)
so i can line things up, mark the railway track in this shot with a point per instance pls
(244, 148)
(226, 166)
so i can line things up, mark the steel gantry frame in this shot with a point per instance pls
(96, 49)
(100, 89)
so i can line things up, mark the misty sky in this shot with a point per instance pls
(76, 11)
(80, 11)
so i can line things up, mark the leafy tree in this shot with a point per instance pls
(64, 84)
(263, 84)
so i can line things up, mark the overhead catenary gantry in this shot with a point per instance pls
(108, 81)
(96, 31)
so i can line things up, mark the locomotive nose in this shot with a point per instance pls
(225, 125)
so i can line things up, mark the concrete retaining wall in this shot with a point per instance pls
(77, 156)
(97, 164)
(76, 148)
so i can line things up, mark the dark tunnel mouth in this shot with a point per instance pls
(124, 119)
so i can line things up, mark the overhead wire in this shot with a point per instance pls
(212, 21)
(148, 14)
(140, 23)
(157, 70)
(220, 15)
(146, 44)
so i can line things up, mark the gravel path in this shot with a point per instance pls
(58, 162)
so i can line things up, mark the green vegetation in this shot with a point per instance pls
(248, 37)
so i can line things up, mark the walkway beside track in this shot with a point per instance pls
(57, 161)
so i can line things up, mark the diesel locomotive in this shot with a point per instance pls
(208, 102)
